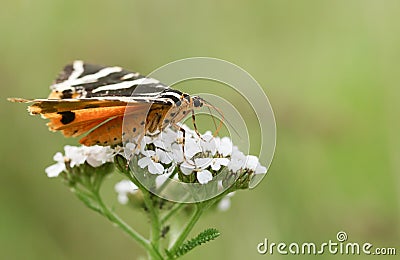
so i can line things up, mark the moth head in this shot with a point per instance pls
(197, 101)
(190, 102)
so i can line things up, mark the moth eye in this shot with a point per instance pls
(197, 103)
(178, 103)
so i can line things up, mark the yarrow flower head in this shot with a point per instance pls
(185, 157)
(94, 156)
(196, 158)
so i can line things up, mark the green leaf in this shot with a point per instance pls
(203, 237)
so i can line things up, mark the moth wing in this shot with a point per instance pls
(107, 119)
(88, 119)
(85, 80)
(81, 128)
(62, 120)
(115, 131)
(108, 133)
(93, 98)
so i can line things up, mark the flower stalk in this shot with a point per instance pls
(199, 209)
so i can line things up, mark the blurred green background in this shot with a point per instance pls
(330, 69)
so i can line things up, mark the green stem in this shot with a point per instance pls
(172, 212)
(98, 181)
(189, 226)
(154, 218)
(154, 214)
(86, 198)
(126, 228)
(167, 181)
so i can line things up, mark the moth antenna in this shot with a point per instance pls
(212, 116)
(223, 119)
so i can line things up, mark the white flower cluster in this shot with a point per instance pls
(162, 154)
(204, 156)
(94, 155)
(198, 154)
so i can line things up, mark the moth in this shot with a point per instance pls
(111, 105)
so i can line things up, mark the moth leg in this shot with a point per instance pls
(195, 126)
(183, 143)
(139, 140)
(179, 128)
(137, 148)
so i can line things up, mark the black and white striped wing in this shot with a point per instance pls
(83, 80)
